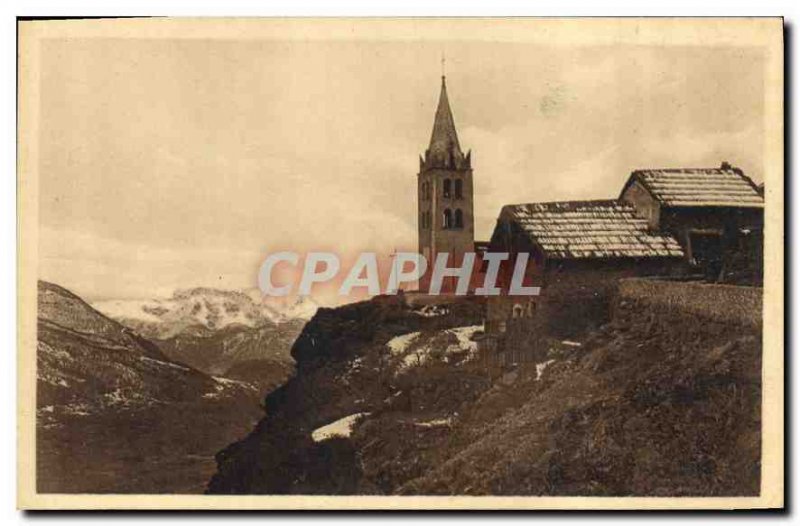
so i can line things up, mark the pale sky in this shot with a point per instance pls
(176, 163)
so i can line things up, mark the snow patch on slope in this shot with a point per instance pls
(437, 422)
(399, 344)
(464, 336)
(339, 428)
(540, 367)
(415, 349)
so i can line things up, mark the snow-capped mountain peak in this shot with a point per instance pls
(205, 308)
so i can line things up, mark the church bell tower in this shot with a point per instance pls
(444, 192)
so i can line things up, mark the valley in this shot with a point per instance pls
(121, 413)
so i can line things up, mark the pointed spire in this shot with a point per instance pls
(444, 135)
(444, 150)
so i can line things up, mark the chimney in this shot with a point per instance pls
(726, 165)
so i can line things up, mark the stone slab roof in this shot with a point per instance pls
(604, 229)
(700, 187)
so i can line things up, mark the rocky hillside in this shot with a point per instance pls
(392, 400)
(115, 414)
(229, 350)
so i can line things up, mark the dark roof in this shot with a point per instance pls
(590, 230)
(725, 186)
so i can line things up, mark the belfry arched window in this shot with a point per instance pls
(459, 218)
(446, 188)
(447, 218)
(459, 188)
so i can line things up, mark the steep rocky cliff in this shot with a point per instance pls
(658, 402)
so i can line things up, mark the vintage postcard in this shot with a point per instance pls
(401, 263)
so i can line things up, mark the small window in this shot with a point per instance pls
(447, 218)
(517, 311)
(446, 188)
(459, 188)
(459, 219)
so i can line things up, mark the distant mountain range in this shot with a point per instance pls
(89, 364)
(216, 331)
(138, 395)
(205, 310)
(109, 399)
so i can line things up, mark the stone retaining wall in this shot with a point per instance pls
(723, 303)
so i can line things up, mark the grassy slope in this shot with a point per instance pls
(649, 406)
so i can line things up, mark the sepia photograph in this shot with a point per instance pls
(409, 263)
